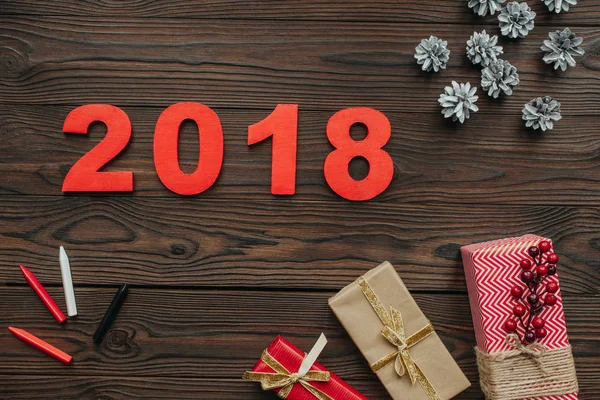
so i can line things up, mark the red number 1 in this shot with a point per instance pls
(282, 124)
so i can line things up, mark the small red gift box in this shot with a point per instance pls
(290, 357)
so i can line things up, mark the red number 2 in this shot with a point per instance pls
(282, 124)
(381, 166)
(166, 158)
(85, 176)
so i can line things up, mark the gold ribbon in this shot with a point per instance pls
(394, 332)
(285, 380)
(534, 350)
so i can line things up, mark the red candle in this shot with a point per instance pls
(39, 289)
(42, 345)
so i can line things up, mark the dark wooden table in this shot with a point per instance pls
(216, 277)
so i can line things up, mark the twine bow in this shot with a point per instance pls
(535, 351)
(393, 331)
(285, 380)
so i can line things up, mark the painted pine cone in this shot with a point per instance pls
(541, 113)
(485, 7)
(458, 101)
(432, 54)
(559, 5)
(499, 77)
(561, 48)
(516, 20)
(483, 48)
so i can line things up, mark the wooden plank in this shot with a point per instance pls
(470, 164)
(424, 11)
(119, 387)
(275, 244)
(239, 64)
(219, 334)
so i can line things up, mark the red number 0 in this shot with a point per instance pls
(166, 158)
(282, 124)
(84, 175)
(381, 166)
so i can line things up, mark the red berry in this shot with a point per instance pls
(551, 270)
(533, 298)
(538, 322)
(526, 276)
(516, 291)
(540, 333)
(550, 299)
(552, 287)
(544, 246)
(530, 337)
(552, 258)
(525, 263)
(533, 251)
(510, 325)
(519, 310)
(542, 270)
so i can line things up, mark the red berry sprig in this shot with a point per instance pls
(536, 295)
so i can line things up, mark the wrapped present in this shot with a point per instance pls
(523, 351)
(294, 375)
(396, 338)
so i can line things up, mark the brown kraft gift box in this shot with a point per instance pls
(432, 361)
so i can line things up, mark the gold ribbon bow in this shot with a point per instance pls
(535, 351)
(285, 380)
(394, 332)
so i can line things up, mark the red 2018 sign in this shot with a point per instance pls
(282, 125)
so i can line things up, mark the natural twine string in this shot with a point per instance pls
(526, 372)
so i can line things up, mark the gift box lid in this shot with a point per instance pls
(491, 270)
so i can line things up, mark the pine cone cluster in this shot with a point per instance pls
(458, 101)
(432, 54)
(500, 76)
(483, 7)
(541, 113)
(516, 20)
(561, 48)
(559, 5)
(483, 49)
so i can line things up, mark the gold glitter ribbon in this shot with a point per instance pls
(285, 380)
(394, 332)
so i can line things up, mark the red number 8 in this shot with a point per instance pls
(381, 166)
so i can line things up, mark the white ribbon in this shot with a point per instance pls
(312, 356)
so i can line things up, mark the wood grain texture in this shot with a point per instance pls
(219, 334)
(118, 387)
(245, 65)
(459, 165)
(276, 244)
(422, 11)
(207, 271)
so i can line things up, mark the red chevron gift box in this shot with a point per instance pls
(523, 350)
(295, 375)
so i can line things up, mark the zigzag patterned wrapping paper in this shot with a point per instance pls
(491, 270)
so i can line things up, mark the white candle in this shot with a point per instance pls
(65, 271)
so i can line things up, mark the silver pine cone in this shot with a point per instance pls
(541, 113)
(483, 48)
(561, 48)
(500, 76)
(432, 54)
(483, 7)
(559, 5)
(516, 20)
(458, 101)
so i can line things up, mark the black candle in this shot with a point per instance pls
(111, 313)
